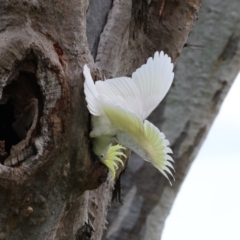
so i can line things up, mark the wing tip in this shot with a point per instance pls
(91, 94)
(86, 69)
(161, 159)
(163, 55)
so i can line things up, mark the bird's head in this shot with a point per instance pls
(109, 155)
(101, 146)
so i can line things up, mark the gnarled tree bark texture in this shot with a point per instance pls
(51, 185)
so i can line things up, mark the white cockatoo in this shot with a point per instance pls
(120, 107)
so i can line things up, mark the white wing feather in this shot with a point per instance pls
(153, 81)
(143, 92)
(122, 91)
(92, 96)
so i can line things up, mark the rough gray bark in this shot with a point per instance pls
(51, 187)
(44, 176)
(203, 77)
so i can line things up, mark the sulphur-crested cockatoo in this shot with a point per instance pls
(120, 106)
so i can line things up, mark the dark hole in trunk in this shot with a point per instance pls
(18, 105)
(7, 132)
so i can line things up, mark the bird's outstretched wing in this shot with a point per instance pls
(143, 138)
(143, 92)
(153, 81)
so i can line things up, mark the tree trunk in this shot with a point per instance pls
(51, 187)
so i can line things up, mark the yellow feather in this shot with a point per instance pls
(143, 135)
(124, 120)
(113, 157)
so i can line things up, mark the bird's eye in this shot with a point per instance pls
(101, 156)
